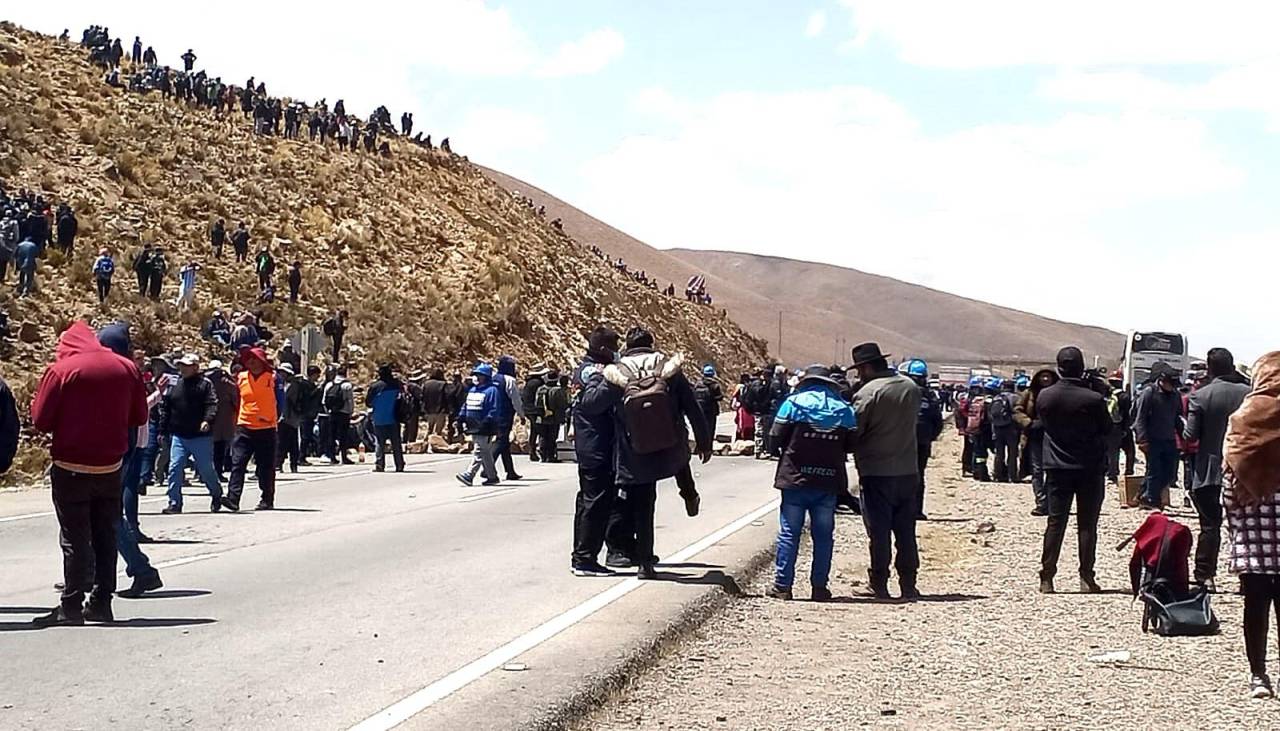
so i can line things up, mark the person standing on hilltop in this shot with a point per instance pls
(159, 267)
(8, 242)
(265, 266)
(336, 328)
(406, 124)
(142, 268)
(103, 267)
(188, 60)
(295, 281)
(218, 237)
(149, 57)
(67, 227)
(137, 51)
(24, 260)
(240, 243)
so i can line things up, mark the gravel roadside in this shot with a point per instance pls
(984, 650)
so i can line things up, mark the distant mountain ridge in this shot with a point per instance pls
(837, 307)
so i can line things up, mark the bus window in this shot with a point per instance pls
(1158, 343)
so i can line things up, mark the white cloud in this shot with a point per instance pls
(500, 130)
(1249, 87)
(816, 24)
(847, 176)
(587, 55)
(991, 33)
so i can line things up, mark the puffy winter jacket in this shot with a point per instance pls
(634, 469)
(480, 409)
(593, 422)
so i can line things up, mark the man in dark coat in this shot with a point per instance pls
(535, 380)
(1208, 410)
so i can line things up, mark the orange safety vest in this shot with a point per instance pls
(257, 400)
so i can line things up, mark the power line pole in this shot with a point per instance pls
(780, 336)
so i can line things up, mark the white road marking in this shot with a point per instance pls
(399, 712)
(484, 495)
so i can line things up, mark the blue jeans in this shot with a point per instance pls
(1162, 468)
(132, 478)
(200, 449)
(820, 506)
(136, 562)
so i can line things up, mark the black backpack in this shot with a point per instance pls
(329, 327)
(756, 396)
(333, 398)
(647, 408)
(1000, 413)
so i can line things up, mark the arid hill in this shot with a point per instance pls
(837, 305)
(436, 263)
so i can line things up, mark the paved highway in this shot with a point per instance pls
(360, 591)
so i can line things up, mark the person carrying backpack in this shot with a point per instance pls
(158, 268)
(1005, 434)
(708, 394)
(651, 442)
(339, 402)
(755, 399)
(335, 328)
(103, 268)
(551, 402)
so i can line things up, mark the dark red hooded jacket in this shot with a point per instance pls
(88, 400)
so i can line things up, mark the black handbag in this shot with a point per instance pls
(1168, 614)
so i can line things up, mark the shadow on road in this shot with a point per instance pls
(926, 599)
(289, 510)
(23, 610)
(172, 594)
(709, 578)
(135, 622)
(688, 565)
(172, 542)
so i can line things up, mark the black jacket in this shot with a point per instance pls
(593, 425)
(1208, 410)
(528, 394)
(189, 403)
(636, 469)
(437, 397)
(9, 428)
(709, 395)
(928, 419)
(1076, 423)
(1156, 415)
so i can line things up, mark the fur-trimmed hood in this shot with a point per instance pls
(643, 361)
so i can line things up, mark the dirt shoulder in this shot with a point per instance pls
(985, 650)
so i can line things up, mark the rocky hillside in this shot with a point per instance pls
(824, 305)
(436, 263)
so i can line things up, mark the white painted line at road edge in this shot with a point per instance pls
(419, 701)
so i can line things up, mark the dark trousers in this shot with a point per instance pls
(534, 434)
(1162, 470)
(88, 509)
(104, 288)
(1005, 439)
(502, 449)
(547, 434)
(1208, 503)
(293, 292)
(260, 445)
(307, 438)
(384, 434)
(1035, 454)
(889, 508)
(144, 278)
(411, 429)
(288, 437)
(630, 529)
(222, 456)
(157, 281)
(966, 455)
(1087, 489)
(1261, 592)
(923, 452)
(337, 348)
(596, 494)
(1119, 440)
(340, 434)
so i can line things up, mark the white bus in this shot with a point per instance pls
(1144, 349)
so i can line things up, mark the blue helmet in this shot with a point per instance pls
(709, 371)
(483, 369)
(917, 368)
(975, 381)
(994, 383)
(1022, 382)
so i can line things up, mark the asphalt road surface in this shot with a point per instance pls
(360, 590)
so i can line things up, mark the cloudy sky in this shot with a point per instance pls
(1111, 163)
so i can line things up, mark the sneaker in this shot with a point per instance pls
(590, 569)
(491, 483)
(646, 572)
(910, 593)
(233, 507)
(379, 469)
(60, 617)
(1046, 586)
(1089, 586)
(820, 594)
(172, 510)
(1039, 512)
(880, 589)
(141, 585)
(464, 478)
(691, 504)
(618, 561)
(98, 612)
(1260, 687)
(511, 477)
(533, 458)
(215, 505)
(777, 592)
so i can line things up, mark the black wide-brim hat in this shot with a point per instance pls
(867, 353)
(819, 374)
